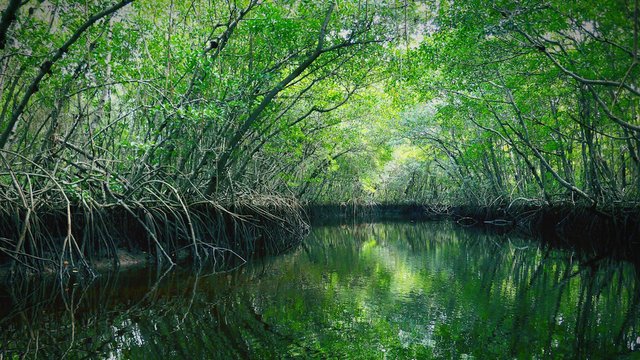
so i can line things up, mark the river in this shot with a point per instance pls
(364, 291)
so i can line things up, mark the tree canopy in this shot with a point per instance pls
(438, 102)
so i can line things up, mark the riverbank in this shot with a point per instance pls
(613, 230)
(606, 231)
(78, 239)
(57, 241)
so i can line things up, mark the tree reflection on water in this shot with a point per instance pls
(426, 290)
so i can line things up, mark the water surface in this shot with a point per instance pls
(369, 291)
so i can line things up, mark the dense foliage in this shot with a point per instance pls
(528, 101)
(167, 109)
(201, 97)
(143, 104)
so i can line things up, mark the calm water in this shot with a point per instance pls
(426, 290)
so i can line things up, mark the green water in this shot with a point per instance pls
(394, 291)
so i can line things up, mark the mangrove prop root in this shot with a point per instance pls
(66, 237)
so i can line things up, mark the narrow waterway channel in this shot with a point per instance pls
(367, 291)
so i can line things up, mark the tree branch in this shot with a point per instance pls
(8, 17)
(45, 68)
